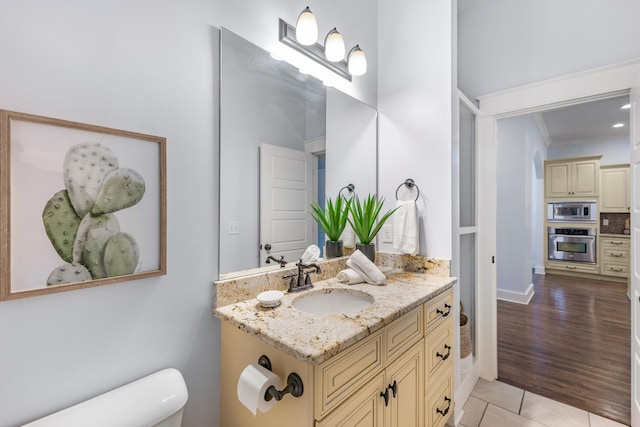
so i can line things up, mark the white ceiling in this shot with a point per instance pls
(590, 122)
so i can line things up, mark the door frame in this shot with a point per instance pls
(572, 89)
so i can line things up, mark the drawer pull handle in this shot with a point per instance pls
(445, 356)
(394, 388)
(444, 411)
(444, 313)
(616, 243)
(617, 270)
(616, 254)
(572, 267)
(386, 396)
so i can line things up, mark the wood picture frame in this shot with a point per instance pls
(80, 205)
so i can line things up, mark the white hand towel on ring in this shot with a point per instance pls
(406, 239)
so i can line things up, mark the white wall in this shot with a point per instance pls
(505, 43)
(150, 67)
(518, 143)
(415, 89)
(613, 153)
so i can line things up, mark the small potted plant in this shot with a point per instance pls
(364, 215)
(333, 220)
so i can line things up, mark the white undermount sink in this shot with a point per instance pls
(333, 301)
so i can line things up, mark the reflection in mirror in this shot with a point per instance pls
(285, 140)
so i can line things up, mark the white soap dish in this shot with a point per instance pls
(270, 299)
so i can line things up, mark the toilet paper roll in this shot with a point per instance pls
(253, 384)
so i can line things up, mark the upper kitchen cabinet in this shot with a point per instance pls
(614, 188)
(572, 178)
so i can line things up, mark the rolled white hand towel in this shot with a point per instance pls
(311, 254)
(406, 237)
(368, 270)
(349, 276)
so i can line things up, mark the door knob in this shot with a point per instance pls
(267, 247)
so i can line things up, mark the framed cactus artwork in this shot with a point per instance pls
(81, 205)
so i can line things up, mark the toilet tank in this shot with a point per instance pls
(156, 400)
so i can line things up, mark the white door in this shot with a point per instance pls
(287, 187)
(635, 256)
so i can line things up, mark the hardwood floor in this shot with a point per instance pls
(571, 343)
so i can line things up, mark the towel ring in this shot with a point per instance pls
(349, 187)
(409, 183)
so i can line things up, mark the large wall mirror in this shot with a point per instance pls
(285, 140)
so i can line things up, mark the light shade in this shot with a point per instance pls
(334, 46)
(307, 28)
(357, 62)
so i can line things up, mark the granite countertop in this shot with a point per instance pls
(315, 338)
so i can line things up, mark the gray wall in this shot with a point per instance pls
(150, 67)
(506, 43)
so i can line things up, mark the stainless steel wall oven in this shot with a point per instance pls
(572, 244)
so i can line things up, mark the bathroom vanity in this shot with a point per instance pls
(389, 364)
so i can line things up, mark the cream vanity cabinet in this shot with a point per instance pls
(614, 256)
(577, 177)
(614, 189)
(400, 375)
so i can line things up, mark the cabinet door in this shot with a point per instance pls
(585, 182)
(614, 190)
(363, 409)
(406, 388)
(557, 180)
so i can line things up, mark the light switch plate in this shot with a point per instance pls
(387, 233)
(233, 227)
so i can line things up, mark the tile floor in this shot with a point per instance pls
(495, 404)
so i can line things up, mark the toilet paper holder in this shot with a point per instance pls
(294, 383)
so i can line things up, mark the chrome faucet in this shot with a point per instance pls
(301, 280)
(280, 261)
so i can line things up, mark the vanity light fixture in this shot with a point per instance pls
(334, 46)
(618, 125)
(331, 55)
(307, 28)
(357, 61)
(625, 106)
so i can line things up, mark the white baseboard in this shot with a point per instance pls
(539, 269)
(520, 298)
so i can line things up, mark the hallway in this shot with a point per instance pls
(571, 343)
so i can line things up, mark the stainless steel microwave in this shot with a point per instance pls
(573, 211)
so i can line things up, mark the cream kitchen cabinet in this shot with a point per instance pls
(577, 177)
(614, 256)
(384, 380)
(614, 188)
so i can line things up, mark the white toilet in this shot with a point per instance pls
(156, 400)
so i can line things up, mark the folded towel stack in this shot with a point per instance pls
(361, 269)
(349, 276)
(406, 239)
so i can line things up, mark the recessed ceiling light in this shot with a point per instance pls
(625, 107)
(618, 125)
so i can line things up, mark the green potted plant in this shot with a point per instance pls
(365, 222)
(333, 220)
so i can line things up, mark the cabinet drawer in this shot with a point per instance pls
(614, 242)
(404, 332)
(440, 403)
(577, 267)
(439, 349)
(438, 309)
(337, 378)
(618, 270)
(615, 254)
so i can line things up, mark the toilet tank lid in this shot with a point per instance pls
(144, 402)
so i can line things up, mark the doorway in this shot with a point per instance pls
(564, 91)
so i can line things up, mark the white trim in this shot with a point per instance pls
(539, 269)
(542, 128)
(518, 297)
(316, 145)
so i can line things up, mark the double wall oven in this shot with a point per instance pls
(572, 237)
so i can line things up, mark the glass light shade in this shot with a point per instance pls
(357, 62)
(307, 28)
(334, 46)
